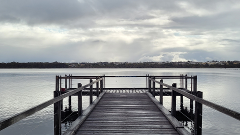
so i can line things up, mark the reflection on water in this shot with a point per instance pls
(24, 88)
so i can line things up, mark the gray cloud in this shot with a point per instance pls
(220, 21)
(46, 12)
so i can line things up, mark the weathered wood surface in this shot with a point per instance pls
(126, 113)
(86, 92)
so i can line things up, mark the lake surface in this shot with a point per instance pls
(21, 89)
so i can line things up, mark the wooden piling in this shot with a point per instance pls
(194, 85)
(101, 86)
(191, 101)
(91, 93)
(57, 83)
(60, 85)
(69, 81)
(186, 85)
(57, 110)
(186, 81)
(69, 98)
(181, 96)
(57, 115)
(149, 86)
(104, 86)
(161, 93)
(65, 82)
(194, 92)
(70, 103)
(153, 93)
(181, 102)
(79, 100)
(146, 80)
(173, 108)
(97, 87)
(198, 115)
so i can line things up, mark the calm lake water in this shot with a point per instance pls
(21, 89)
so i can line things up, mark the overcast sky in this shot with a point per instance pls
(119, 30)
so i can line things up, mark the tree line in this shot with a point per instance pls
(157, 65)
(34, 65)
(228, 64)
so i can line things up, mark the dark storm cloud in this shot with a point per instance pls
(45, 12)
(232, 41)
(7, 18)
(71, 13)
(219, 21)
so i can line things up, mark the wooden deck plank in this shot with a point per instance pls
(87, 133)
(126, 113)
(135, 131)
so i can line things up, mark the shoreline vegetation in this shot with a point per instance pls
(188, 64)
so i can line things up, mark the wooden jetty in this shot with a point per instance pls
(127, 113)
(126, 110)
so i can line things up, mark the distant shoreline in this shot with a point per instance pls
(214, 64)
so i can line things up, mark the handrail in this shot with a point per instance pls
(106, 76)
(10, 121)
(219, 108)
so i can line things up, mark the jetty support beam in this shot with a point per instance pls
(161, 92)
(198, 115)
(91, 92)
(79, 100)
(57, 110)
(173, 108)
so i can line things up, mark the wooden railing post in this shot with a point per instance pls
(57, 115)
(104, 86)
(194, 91)
(181, 96)
(181, 102)
(69, 98)
(191, 102)
(198, 115)
(57, 110)
(97, 88)
(65, 82)
(186, 81)
(79, 100)
(161, 93)
(69, 81)
(101, 86)
(60, 85)
(91, 92)
(194, 85)
(173, 108)
(146, 80)
(70, 103)
(153, 93)
(181, 105)
(149, 86)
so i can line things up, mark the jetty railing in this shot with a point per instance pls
(194, 95)
(57, 100)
